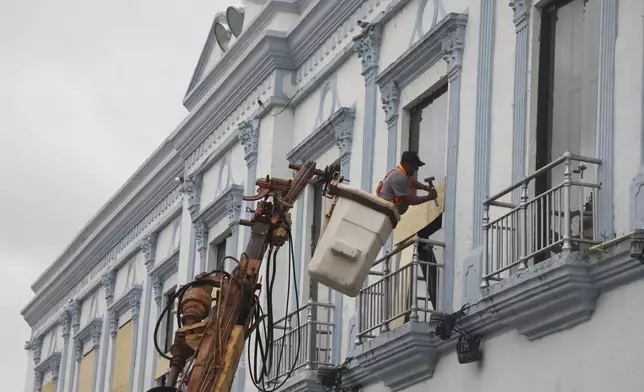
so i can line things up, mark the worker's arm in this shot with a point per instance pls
(400, 185)
(420, 185)
(414, 200)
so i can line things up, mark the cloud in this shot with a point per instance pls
(89, 90)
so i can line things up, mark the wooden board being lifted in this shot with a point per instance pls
(420, 216)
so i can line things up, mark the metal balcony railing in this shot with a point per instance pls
(305, 347)
(558, 220)
(399, 296)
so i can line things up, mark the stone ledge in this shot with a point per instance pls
(544, 299)
(402, 357)
(303, 381)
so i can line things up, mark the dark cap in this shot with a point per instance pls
(412, 158)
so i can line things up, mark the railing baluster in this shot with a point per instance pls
(524, 223)
(413, 315)
(486, 237)
(567, 246)
(386, 295)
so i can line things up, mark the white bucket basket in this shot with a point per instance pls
(356, 231)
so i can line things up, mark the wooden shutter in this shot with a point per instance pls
(86, 372)
(48, 387)
(123, 357)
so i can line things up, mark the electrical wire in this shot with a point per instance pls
(168, 308)
(264, 350)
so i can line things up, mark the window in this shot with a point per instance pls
(169, 326)
(428, 134)
(169, 323)
(216, 254)
(567, 99)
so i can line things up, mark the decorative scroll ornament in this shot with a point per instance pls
(64, 320)
(233, 207)
(135, 304)
(157, 288)
(201, 234)
(38, 380)
(55, 367)
(367, 46)
(107, 280)
(452, 47)
(192, 188)
(148, 246)
(343, 127)
(76, 313)
(114, 324)
(249, 138)
(521, 10)
(78, 351)
(36, 347)
(390, 98)
(95, 335)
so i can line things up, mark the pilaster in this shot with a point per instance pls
(367, 46)
(249, 138)
(483, 125)
(452, 47)
(149, 245)
(606, 118)
(108, 280)
(521, 10)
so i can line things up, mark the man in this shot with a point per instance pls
(398, 187)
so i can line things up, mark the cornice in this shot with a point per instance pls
(89, 332)
(135, 194)
(332, 131)
(544, 299)
(318, 25)
(51, 363)
(82, 279)
(199, 88)
(166, 267)
(270, 53)
(223, 207)
(423, 54)
(130, 300)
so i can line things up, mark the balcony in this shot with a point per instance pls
(394, 342)
(298, 351)
(556, 221)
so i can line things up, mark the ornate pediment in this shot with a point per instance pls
(337, 130)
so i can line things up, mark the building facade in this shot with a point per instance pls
(529, 114)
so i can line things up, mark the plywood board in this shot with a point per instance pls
(417, 217)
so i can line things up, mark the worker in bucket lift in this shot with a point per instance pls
(399, 187)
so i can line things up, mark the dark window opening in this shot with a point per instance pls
(567, 102)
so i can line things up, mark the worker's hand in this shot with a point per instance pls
(433, 195)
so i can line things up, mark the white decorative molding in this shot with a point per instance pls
(390, 98)
(521, 10)
(367, 46)
(192, 189)
(92, 331)
(51, 363)
(35, 345)
(149, 246)
(108, 280)
(130, 300)
(249, 138)
(43, 310)
(225, 207)
(76, 314)
(65, 321)
(338, 130)
(161, 272)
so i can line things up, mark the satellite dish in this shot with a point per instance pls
(235, 18)
(222, 34)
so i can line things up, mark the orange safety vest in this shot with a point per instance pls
(396, 199)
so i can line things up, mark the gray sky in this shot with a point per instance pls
(87, 91)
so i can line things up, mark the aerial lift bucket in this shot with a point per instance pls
(358, 227)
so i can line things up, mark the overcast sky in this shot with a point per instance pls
(88, 90)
